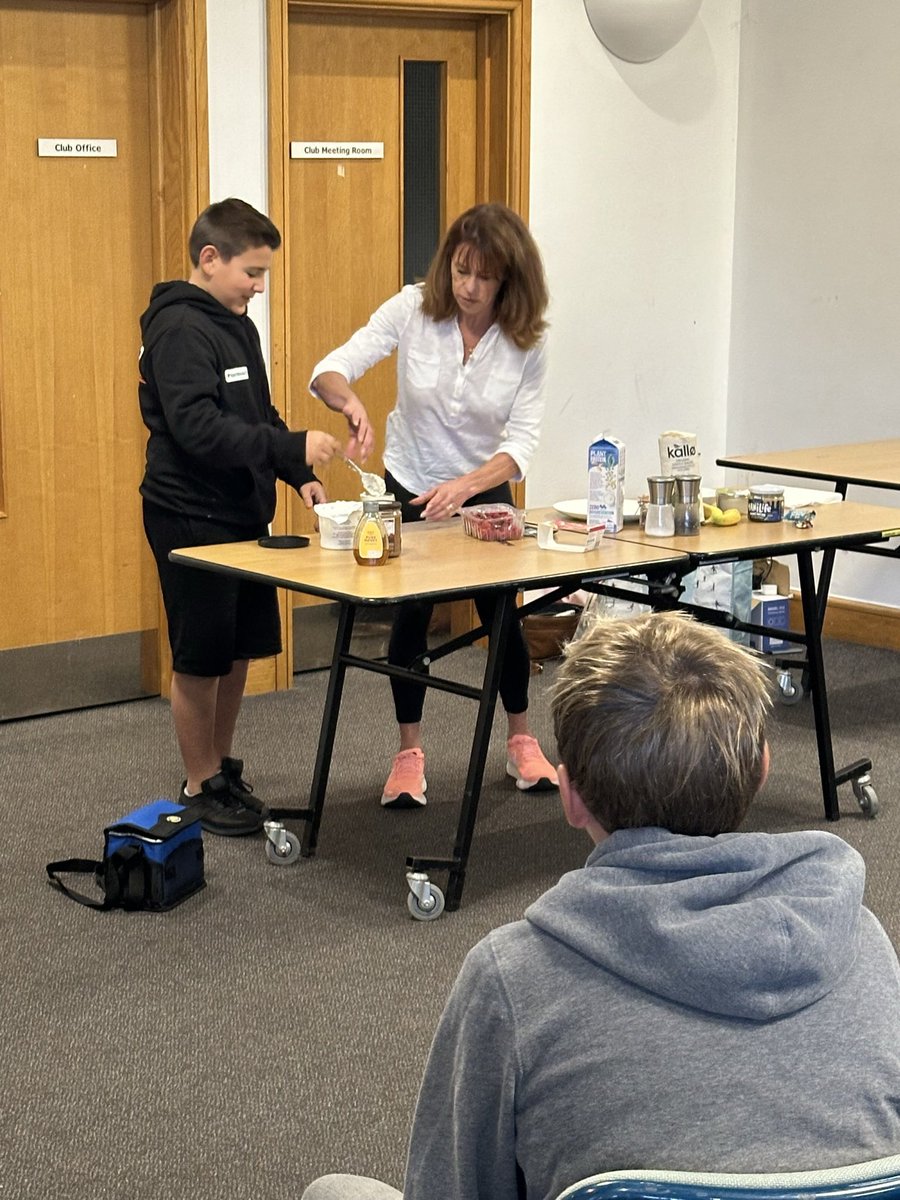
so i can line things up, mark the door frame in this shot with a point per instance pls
(179, 176)
(180, 171)
(504, 102)
(180, 168)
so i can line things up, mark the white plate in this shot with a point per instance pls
(577, 509)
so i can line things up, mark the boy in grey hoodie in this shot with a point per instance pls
(692, 999)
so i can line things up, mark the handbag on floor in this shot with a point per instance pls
(152, 860)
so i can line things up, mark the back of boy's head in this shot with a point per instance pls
(660, 721)
(232, 226)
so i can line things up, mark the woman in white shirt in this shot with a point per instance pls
(470, 399)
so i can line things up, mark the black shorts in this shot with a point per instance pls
(213, 620)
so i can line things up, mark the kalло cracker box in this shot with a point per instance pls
(606, 483)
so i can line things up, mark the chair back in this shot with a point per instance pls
(878, 1179)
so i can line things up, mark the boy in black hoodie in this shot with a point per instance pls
(216, 447)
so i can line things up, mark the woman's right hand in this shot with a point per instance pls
(340, 397)
(320, 447)
(362, 436)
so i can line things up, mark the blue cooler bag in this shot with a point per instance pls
(152, 859)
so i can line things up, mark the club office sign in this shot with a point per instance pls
(77, 147)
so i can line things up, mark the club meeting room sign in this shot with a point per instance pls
(316, 148)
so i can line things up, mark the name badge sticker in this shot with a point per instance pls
(236, 374)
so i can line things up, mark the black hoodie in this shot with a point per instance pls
(216, 443)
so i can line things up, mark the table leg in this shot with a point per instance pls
(810, 599)
(328, 729)
(505, 613)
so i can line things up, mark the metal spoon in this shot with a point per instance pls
(374, 484)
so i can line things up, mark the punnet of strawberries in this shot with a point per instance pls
(493, 522)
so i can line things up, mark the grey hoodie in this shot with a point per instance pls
(681, 1003)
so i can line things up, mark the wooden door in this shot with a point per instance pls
(345, 220)
(84, 236)
(336, 71)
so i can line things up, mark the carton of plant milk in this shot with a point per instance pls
(773, 611)
(606, 483)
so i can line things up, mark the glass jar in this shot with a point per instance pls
(391, 513)
(766, 503)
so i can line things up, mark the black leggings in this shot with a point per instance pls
(409, 635)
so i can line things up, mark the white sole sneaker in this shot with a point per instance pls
(534, 785)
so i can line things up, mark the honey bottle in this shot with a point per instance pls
(370, 541)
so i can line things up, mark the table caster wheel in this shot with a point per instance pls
(425, 900)
(791, 692)
(866, 795)
(282, 847)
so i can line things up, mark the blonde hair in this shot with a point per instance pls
(501, 245)
(660, 721)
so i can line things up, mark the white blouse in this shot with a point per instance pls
(450, 417)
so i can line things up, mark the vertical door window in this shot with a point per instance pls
(423, 159)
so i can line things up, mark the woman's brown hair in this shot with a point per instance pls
(501, 245)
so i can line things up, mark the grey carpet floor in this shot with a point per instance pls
(274, 1027)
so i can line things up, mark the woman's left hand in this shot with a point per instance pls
(442, 501)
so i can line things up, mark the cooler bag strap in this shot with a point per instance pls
(79, 866)
(122, 876)
(126, 877)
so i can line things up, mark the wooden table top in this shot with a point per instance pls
(437, 560)
(872, 464)
(833, 523)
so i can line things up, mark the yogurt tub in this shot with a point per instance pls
(766, 502)
(337, 523)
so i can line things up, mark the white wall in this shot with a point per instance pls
(238, 117)
(815, 355)
(647, 180)
(632, 201)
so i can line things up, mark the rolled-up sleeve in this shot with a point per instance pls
(377, 339)
(522, 433)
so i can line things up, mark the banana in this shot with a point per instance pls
(716, 516)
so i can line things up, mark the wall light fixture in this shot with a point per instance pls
(640, 30)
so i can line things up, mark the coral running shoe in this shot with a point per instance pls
(406, 784)
(526, 763)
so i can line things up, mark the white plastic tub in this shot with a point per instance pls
(337, 523)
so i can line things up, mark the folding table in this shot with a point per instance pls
(836, 526)
(438, 562)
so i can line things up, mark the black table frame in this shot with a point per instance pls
(506, 611)
(841, 484)
(813, 599)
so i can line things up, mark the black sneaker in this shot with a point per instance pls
(233, 770)
(221, 811)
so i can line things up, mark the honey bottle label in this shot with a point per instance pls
(371, 542)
